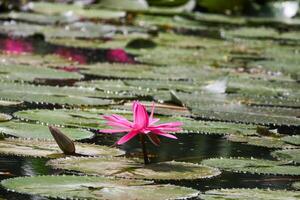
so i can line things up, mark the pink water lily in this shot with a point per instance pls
(142, 124)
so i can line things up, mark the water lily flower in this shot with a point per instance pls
(118, 56)
(142, 124)
(17, 46)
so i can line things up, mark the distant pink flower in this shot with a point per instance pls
(142, 124)
(17, 46)
(119, 56)
(71, 55)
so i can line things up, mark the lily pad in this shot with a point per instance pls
(296, 185)
(90, 187)
(37, 74)
(4, 117)
(235, 109)
(37, 18)
(288, 154)
(263, 141)
(91, 118)
(74, 10)
(53, 95)
(292, 139)
(237, 193)
(253, 166)
(49, 149)
(136, 5)
(34, 60)
(126, 168)
(10, 103)
(37, 131)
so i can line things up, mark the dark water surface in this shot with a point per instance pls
(188, 147)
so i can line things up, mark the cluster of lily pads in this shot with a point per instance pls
(234, 77)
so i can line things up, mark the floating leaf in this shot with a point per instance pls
(253, 166)
(37, 18)
(53, 95)
(34, 60)
(292, 139)
(37, 131)
(32, 73)
(236, 193)
(296, 185)
(74, 10)
(90, 187)
(269, 142)
(4, 117)
(124, 5)
(10, 103)
(230, 108)
(125, 168)
(91, 118)
(50, 149)
(288, 154)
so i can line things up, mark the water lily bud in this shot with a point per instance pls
(63, 141)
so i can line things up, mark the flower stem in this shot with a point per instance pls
(145, 153)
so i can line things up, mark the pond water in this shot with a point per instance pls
(233, 82)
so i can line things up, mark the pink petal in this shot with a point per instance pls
(113, 130)
(152, 111)
(153, 121)
(166, 135)
(127, 137)
(141, 118)
(118, 121)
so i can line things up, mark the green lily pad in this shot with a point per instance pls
(37, 131)
(288, 154)
(253, 166)
(126, 168)
(54, 95)
(50, 149)
(10, 103)
(236, 109)
(292, 139)
(74, 10)
(34, 60)
(36, 18)
(124, 5)
(91, 118)
(4, 117)
(296, 185)
(237, 193)
(115, 86)
(37, 74)
(90, 187)
(269, 142)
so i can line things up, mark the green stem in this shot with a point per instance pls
(146, 159)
